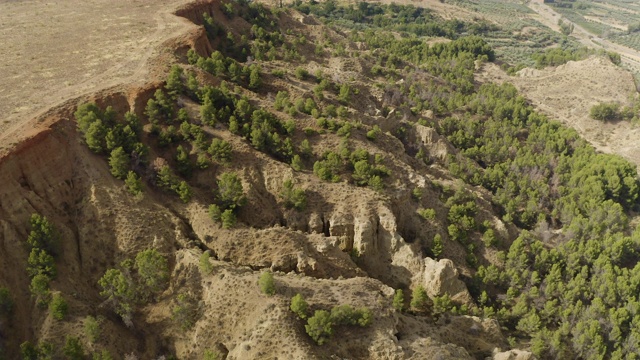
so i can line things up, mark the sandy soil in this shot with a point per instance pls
(55, 51)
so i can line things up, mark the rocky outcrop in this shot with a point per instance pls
(435, 145)
(514, 355)
(441, 277)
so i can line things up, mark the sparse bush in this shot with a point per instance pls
(398, 300)
(214, 212)
(184, 311)
(267, 283)
(299, 306)
(296, 163)
(292, 197)
(133, 184)
(205, 266)
(153, 271)
(58, 307)
(301, 73)
(92, 328)
(230, 191)
(427, 214)
(228, 218)
(320, 326)
(437, 246)
(419, 299)
(605, 112)
(73, 348)
(374, 133)
(220, 150)
(211, 355)
(416, 193)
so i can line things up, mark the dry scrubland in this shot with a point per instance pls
(350, 245)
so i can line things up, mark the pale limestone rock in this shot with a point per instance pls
(514, 354)
(441, 277)
(436, 145)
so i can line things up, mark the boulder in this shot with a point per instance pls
(514, 354)
(441, 277)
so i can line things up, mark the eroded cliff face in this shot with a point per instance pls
(351, 245)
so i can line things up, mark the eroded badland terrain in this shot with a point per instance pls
(236, 180)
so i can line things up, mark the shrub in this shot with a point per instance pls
(374, 133)
(183, 164)
(437, 246)
(184, 311)
(230, 191)
(92, 328)
(174, 82)
(58, 307)
(301, 73)
(28, 351)
(320, 326)
(605, 112)
(299, 306)
(211, 355)
(347, 315)
(292, 197)
(184, 192)
(398, 300)
(119, 290)
(153, 271)
(39, 288)
(42, 235)
(228, 218)
(205, 264)
(133, 184)
(419, 299)
(102, 355)
(296, 163)
(267, 283)
(416, 193)
(427, 214)
(73, 349)
(220, 150)
(40, 262)
(489, 238)
(215, 213)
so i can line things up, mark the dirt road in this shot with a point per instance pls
(55, 51)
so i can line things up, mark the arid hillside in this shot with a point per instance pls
(318, 180)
